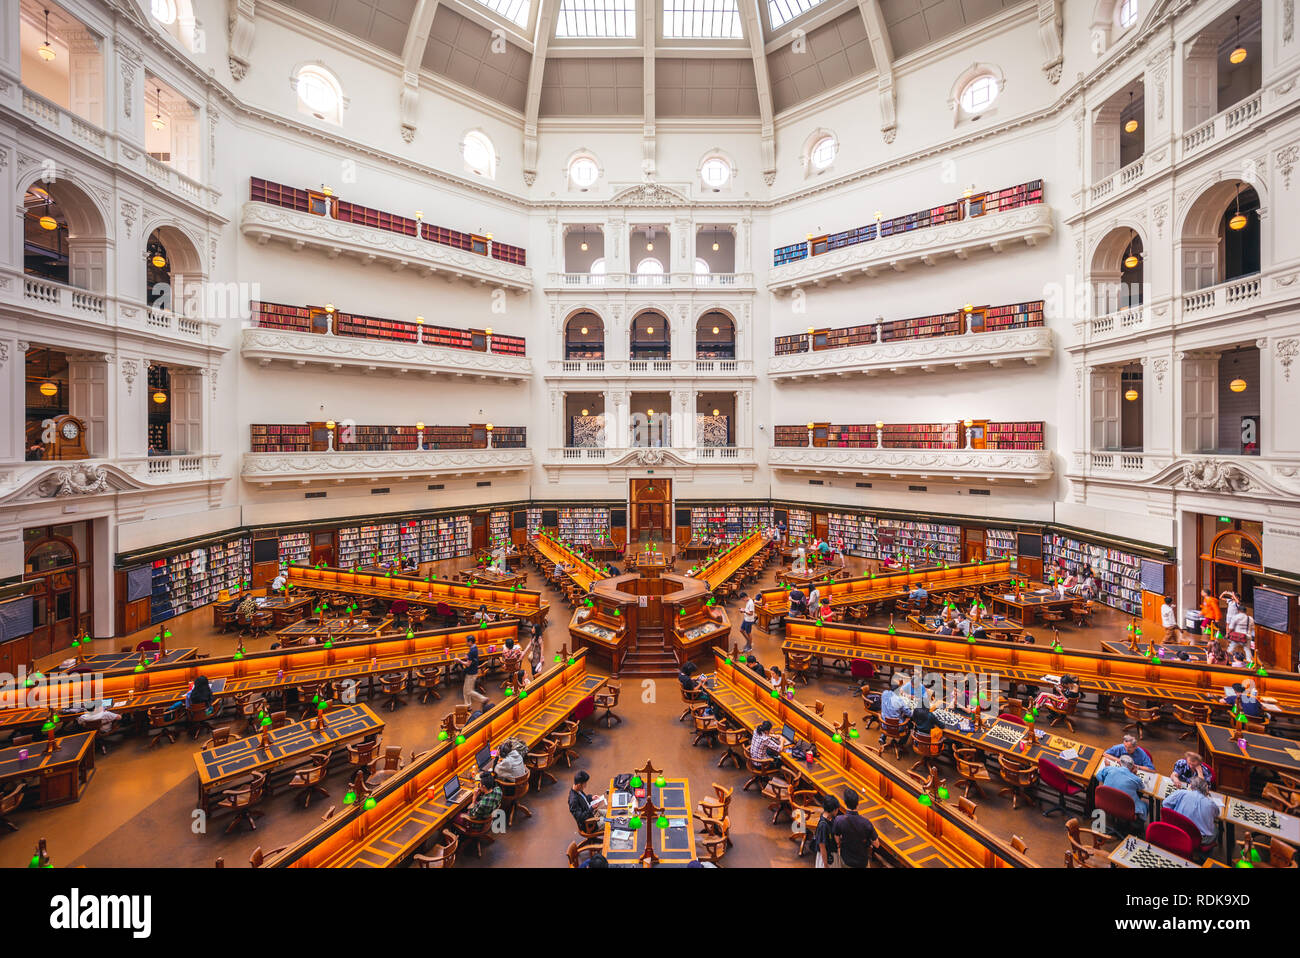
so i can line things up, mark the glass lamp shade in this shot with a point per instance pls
(160, 397)
(1237, 385)
(1237, 55)
(158, 260)
(48, 222)
(1238, 222)
(1131, 261)
(1131, 395)
(1131, 126)
(48, 389)
(46, 52)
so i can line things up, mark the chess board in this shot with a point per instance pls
(1138, 854)
(950, 719)
(1254, 815)
(1007, 733)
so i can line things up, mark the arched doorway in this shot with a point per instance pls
(1221, 236)
(649, 336)
(584, 336)
(715, 336)
(56, 561)
(1233, 561)
(64, 238)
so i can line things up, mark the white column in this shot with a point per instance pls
(682, 432)
(131, 421)
(13, 372)
(88, 386)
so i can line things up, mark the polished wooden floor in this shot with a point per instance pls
(139, 808)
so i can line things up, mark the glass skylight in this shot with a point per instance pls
(711, 19)
(781, 12)
(515, 11)
(584, 19)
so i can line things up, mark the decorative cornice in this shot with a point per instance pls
(306, 466)
(267, 345)
(100, 477)
(1016, 345)
(991, 465)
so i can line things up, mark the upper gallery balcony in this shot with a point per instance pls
(326, 336)
(52, 479)
(964, 337)
(323, 222)
(975, 222)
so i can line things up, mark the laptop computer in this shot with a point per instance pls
(788, 734)
(484, 758)
(453, 791)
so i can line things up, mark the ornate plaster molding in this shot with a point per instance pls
(1017, 345)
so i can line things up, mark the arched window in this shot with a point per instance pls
(822, 154)
(649, 267)
(978, 95)
(583, 172)
(715, 172)
(701, 267)
(164, 11)
(480, 156)
(319, 93)
(598, 266)
(1127, 14)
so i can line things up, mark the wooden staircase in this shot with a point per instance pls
(650, 657)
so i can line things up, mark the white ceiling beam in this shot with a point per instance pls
(417, 38)
(649, 31)
(767, 141)
(882, 51)
(533, 96)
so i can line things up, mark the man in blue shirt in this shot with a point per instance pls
(918, 594)
(1194, 802)
(1141, 758)
(1124, 778)
(894, 706)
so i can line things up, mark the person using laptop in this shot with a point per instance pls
(486, 799)
(583, 807)
(98, 713)
(511, 760)
(764, 747)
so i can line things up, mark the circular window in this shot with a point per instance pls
(164, 11)
(478, 153)
(1128, 13)
(979, 93)
(715, 172)
(823, 152)
(318, 91)
(583, 172)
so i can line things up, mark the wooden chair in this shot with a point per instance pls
(394, 686)
(565, 738)
(228, 620)
(1282, 797)
(220, 736)
(1082, 613)
(539, 764)
(971, 768)
(196, 717)
(808, 814)
(243, 802)
(260, 623)
(895, 734)
(10, 801)
(1019, 845)
(798, 667)
(426, 683)
(1279, 853)
(706, 726)
(443, 854)
(1019, 778)
(925, 748)
(592, 829)
(736, 742)
(1062, 713)
(779, 790)
(251, 708)
(309, 697)
(1188, 716)
(279, 719)
(511, 793)
(967, 808)
(715, 844)
(162, 721)
(759, 772)
(1095, 846)
(308, 778)
(258, 856)
(475, 830)
(713, 810)
(361, 757)
(607, 698)
(690, 699)
(388, 765)
(575, 852)
(1139, 715)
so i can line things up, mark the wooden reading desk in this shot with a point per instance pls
(1028, 606)
(63, 774)
(112, 662)
(337, 629)
(721, 568)
(674, 845)
(584, 574)
(1231, 764)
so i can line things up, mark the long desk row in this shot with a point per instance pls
(1104, 673)
(515, 603)
(257, 672)
(412, 806)
(583, 573)
(773, 603)
(718, 570)
(916, 835)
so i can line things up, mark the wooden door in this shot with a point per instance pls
(819, 525)
(322, 548)
(1200, 405)
(478, 525)
(973, 545)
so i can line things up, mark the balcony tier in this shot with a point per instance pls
(1027, 345)
(34, 481)
(616, 463)
(304, 468)
(991, 465)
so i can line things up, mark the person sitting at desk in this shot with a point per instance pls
(1066, 691)
(893, 707)
(753, 663)
(923, 719)
(1194, 802)
(582, 806)
(798, 607)
(826, 613)
(199, 693)
(1129, 747)
(510, 765)
(486, 799)
(1215, 654)
(1238, 660)
(1071, 582)
(765, 747)
(244, 612)
(1124, 777)
(918, 594)
(1246, 698)
(978, 632)
(947, 628)
(688, 680)
(961, 625)
(279, 582)
(775, 679)
(483, 615)
(98, 712)
(1190, 768)
(1088, 588)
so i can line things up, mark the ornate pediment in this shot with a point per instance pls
(651, 456)
(1219, 475)
(649, 195)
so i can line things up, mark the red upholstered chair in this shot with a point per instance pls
(1050, 775)
(861, 672)
(1118, 806)
(583, 710)
(1171, 838)
(1199, 841)
(1008, 717)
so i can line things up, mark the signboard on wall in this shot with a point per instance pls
(1237, 548)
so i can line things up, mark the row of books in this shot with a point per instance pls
(191, 579)
(1117, 572)
(498, 527)
(294, 546)
(955, 323)
(999, 543)
(273, 437)
(424, 540)
(798, 525)
(314, 319)
(975, 205)
(321, 204)
(584, 525)
(730, 522)
(1014, 435)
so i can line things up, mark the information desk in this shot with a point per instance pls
(61, 775)
(1027, 607)
(718, 570)
(1231, 763)
(913, 834)
(283, 609)
(583, 573)
(673, 845)
(774, 603)
(515, 604)
(109, 662)
(219, 767)
(133, 693)
(628, 612)
(411, 807)
(336, 629)
(1108, 675)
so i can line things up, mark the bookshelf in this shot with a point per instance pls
(349, 547)
(192, 579)
(731, 522)
(1014, 435)
(581, 525)
(999, 543)
(311, 319)
(370, 327)
(923, 327)
(844, 338)
(308, 201)
(278, 438)
(1009, 198)
(379, 438)
(1117, 572)
(1013, 316)
(790, 435)
(799, 525)
(294, 546)
(789, 254)
(509, 437)
(921, 436)
(921, 543)
(852, 437)
(498, 527)
(858, 532)
(508, 345)
(789, 345)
